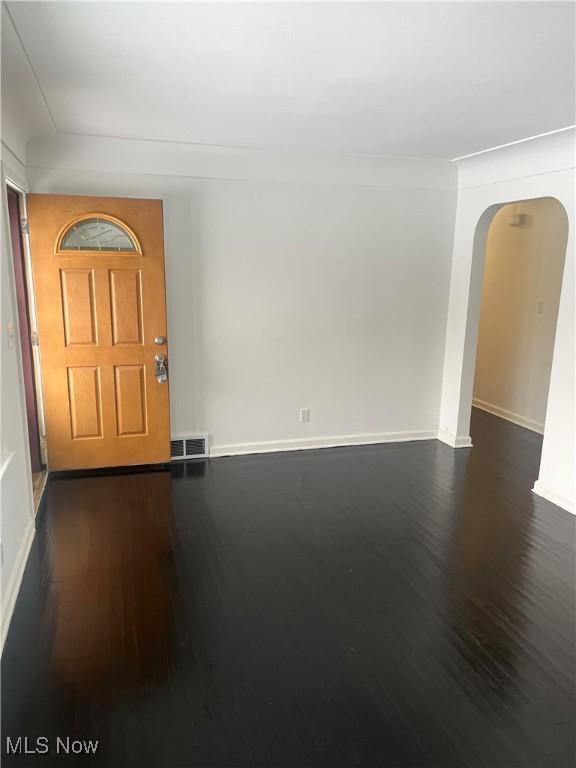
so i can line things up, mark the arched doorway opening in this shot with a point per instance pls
(517, 274)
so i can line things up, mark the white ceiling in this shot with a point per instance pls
(399, 79)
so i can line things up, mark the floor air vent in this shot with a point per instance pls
(177, 449)
(195, 446)
(192, 447)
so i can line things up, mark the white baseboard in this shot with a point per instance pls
(454, 441)
(550, 494)
(308, 443)
(502, 413)
(15, 580)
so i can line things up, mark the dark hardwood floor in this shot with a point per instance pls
(382, 606)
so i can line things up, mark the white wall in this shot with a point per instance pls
(523, 273)
(317, 284)
(538, 168)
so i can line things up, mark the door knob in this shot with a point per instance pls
(161, 370)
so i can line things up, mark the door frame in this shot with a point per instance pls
(32, 316)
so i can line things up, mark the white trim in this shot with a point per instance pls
(550, 494)
(511, 143)
(502, 413)
(454, 441)
(13, 587)
(48, 155)
(307, 443)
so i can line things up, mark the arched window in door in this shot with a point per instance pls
(98, 233)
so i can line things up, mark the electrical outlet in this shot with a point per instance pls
(304, 415)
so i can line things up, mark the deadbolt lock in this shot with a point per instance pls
(161, 370)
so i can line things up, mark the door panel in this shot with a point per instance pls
(78, 306)
(85, 402)
(99, 312)
(126, 306)
(130, 386)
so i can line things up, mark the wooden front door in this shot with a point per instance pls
(98, 265)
